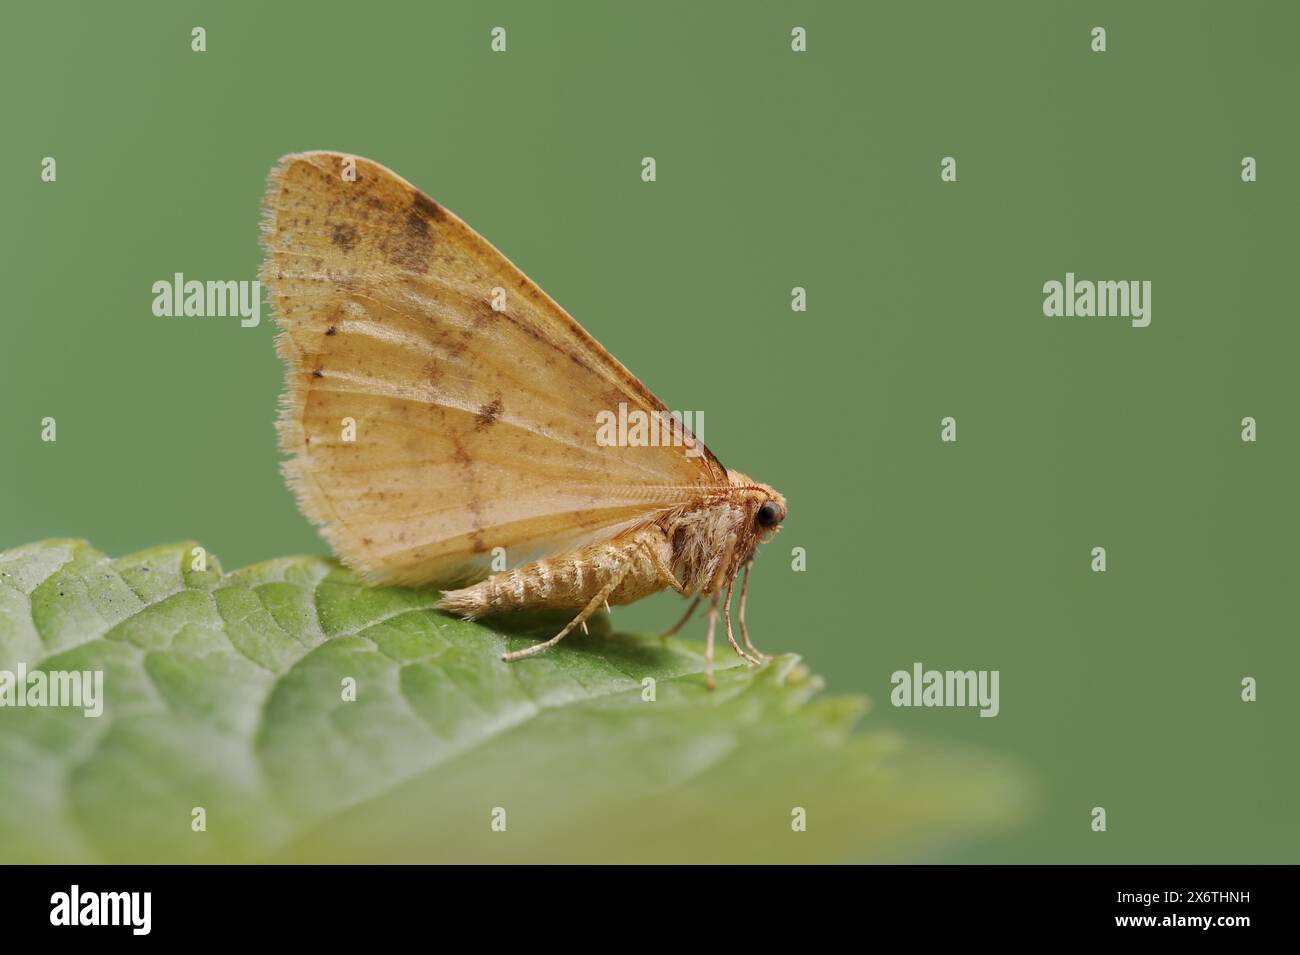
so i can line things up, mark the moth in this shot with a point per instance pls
(439, 406)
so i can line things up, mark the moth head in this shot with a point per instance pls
(769, 514)
(765, 505)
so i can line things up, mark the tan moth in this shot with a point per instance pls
(439, 406)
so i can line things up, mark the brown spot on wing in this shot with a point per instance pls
(459, 454)
(344, 236)
(409, 242)
(422, 203)
(488, 414)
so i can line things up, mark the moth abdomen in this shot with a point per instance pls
(571, 580)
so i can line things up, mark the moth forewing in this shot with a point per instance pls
(440, 407)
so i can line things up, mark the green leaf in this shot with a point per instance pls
(226, 692)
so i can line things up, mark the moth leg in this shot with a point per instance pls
(708, 643)
(593, 605)
(744, 631)
(610, 634)
(731, 639)
(690, 611)
(664, 571)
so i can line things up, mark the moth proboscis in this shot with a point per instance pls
(473, 401)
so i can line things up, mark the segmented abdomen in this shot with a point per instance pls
(569, 580)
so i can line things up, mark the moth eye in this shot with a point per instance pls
(768, 515)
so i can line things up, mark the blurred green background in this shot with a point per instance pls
(775, 170)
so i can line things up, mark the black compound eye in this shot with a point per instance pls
(768, 515)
